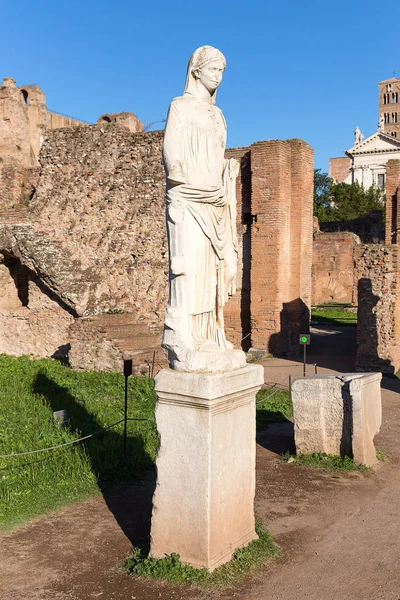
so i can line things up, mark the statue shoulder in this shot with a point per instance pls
(221, 115)
(179, 102)
(178, 106)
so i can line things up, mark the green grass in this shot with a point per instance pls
(273, 406)
(172, 570)
(30, 390)
(381, 455)
(333, 315)
(321, 460)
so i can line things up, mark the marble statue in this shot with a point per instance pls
(358, 136)
(381, 124)
(201, 222)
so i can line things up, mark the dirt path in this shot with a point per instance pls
(340, 535)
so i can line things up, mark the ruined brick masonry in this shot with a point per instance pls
(333, 267)
(378, 305)
(90, 241)
(367, 275)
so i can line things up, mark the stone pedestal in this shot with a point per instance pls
(338, 414)
(203, 505)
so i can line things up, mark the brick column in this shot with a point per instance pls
(281, 244)
(392, 199)
(270, 256)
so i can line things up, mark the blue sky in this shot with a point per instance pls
(294, 69)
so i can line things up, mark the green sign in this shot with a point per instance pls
(304, 339)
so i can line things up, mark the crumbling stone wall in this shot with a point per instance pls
(378, 288)
(94, 234)
(333, 268)
(124, 119)
(17, 160)
(100, 203)
(24, 120)
(32, 320)
(378, 320)
(392, 201)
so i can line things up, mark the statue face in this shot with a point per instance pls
(211, 75)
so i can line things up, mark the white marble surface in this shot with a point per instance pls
(203, 505)
(201, 221)
(338, 414)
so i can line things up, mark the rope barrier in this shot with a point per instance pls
(273, 393)
(86, 437)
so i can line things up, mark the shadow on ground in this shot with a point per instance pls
(127, 497)
(278, 438)
(333, 347)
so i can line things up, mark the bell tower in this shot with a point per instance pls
(389, 106)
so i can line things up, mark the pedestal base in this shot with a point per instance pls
(203, 505)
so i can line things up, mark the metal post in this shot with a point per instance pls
(316, 368)
(290, 388)
(128, 369)
(304, 361)
(152, 365)
(126, 416)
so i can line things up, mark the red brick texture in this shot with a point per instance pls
(333, 267)
(378, 308)
(281, 243)
(339, 168)
(392, 200)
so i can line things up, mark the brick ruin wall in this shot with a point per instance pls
(32, 319)
(392, 200)
(333, 274)
(94, 238)
(378, 305)
(378, 287)
(366, 274)
(339, 168)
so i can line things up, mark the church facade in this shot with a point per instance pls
(366, 160)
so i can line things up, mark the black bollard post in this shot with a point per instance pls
(128, 368)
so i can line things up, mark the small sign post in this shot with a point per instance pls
(128, 368)
(304, 341)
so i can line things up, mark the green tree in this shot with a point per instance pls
(343, 201)
(322, 187)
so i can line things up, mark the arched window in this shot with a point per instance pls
(25, 95)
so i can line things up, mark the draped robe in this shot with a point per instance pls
(201, 223)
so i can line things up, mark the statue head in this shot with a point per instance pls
(206, 66)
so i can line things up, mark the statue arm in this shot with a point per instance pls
(233, 166)
(172, 149)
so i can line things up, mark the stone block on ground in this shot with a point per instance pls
(338, 414)
(203, 505)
